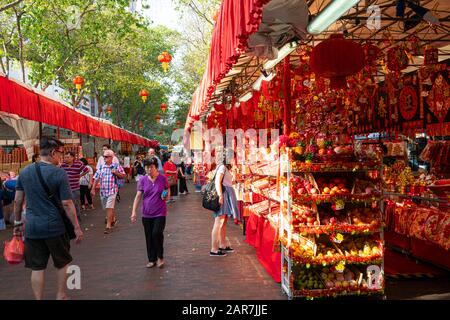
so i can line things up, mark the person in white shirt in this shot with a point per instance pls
(101, 160)
(127, 166)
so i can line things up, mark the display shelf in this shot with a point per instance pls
(345, 228)
(406, 196)
(301, 167)
(376, 196)
(337, 259)
(324, 293)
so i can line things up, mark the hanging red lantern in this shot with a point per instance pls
(397, 59)
(163, 107)
(78, 81)
(157, 118)
(140, 125)
(165, 58)
(336, 58)
(144, 95)
(109, 110)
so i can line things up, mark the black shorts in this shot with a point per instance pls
(38, 251)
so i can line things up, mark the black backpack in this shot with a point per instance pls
(210, 199)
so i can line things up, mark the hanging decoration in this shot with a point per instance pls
(157, 118)
(336, 58)
(78, 81)
(408, 103)
(163, 107)
(109, 110)
(140, 125)
(397, 59)
(431, 55)
(144, 95)
(165, 58)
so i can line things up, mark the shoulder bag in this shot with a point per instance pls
(51, 196)
(210, 199)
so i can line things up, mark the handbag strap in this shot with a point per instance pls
(50, 195)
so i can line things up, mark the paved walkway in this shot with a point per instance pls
(113, 266)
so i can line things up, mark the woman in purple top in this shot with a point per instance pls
(154, 189)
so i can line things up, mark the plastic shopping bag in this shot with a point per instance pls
(14, 250)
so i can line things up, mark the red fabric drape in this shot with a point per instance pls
(237, 20)
(28, 104)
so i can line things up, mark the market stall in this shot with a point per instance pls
(348, 179)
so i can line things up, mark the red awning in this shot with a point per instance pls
(236, 22)
(28, 103)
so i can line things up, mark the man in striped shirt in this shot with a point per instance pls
(75, 169)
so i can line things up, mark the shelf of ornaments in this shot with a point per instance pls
(352, 219)
(319, 281)
(346, 186)
(335, 248)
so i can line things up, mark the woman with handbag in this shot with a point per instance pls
(182, 178)
(228, 208)
(171, 173)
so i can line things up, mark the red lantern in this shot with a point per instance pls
(157, 118)
(336, 58)
(163, 107)
(140, 125)
(144, 95)
(165, 58)
(109, 110)
(78, 81)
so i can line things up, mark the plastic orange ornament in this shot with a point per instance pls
(78, 81)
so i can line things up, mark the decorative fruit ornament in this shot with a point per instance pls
(78, 81)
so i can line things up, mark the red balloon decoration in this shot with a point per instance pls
(336, 58)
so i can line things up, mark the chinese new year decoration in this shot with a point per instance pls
(109, 110)
(336, 58)
(140, 125)
(78, 81)
(163, 107)
(165, 58)
(397, 59)
(157, 118)
(144, 95)
(431, 55)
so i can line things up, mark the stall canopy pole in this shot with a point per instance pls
(287, 96)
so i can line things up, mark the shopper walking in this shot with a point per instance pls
(75, 169)
(139, 168)
(107, 176)
(153, 190)
(152, 154)
(85, 187)
(127, 166)
(182, 179)
(101, 160)
(171, 173)
(45, 232)
(228, 208)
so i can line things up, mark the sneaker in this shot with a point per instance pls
(217, 254)
(227, 249)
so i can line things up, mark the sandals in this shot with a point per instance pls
(160, 264)
(107, 231)
(150, 265)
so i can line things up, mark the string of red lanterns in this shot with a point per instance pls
(144, 95)
(165, 58)
(163, 107)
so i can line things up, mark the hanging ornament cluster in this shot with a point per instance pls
(157, 118)
(163, 107)
(78, 81)
(397, 59)
(144, 95)
(336, 58)
(165, 58)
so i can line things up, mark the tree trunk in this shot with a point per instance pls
(100, 105)
(19, 33)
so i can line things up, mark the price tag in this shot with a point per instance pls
(338, 238)
(340, 267)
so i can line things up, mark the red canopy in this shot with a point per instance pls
(26, 102)
(236, 22)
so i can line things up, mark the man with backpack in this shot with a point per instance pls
(110, 176)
